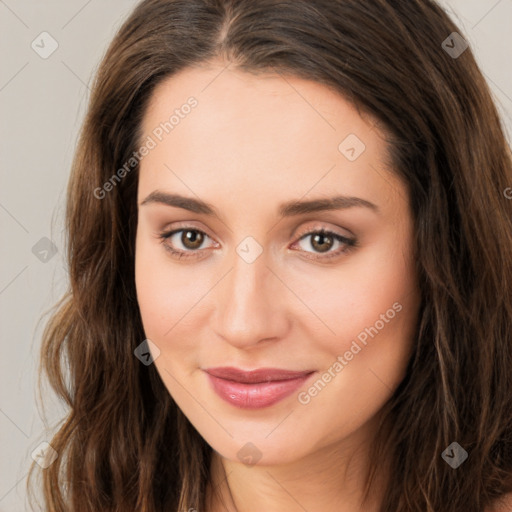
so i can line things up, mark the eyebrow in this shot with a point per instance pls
(287, 209)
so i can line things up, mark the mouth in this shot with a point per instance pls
(255, 389)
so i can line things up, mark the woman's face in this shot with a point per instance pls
(250, 169)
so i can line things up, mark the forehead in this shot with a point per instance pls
(264, 133)
(262, 105)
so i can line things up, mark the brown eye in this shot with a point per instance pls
(185, 242)
(322, 242)
(192, 239)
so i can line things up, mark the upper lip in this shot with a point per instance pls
(255, 376)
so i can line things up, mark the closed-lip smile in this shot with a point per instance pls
(255, 389)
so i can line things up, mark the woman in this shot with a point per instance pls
(289, 252)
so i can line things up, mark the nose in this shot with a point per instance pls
(251, 304)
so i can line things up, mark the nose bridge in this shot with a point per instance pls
(248, 309)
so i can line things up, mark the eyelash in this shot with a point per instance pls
(350, 243)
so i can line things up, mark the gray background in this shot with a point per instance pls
(42, 103)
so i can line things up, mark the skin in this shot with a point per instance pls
(250, 144)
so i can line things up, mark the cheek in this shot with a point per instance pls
(368, 298)
(165, 297)
(371, 297)
(164, 294)
(150, 283)
(374, 318)
(154, 284)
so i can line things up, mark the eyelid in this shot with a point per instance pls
(322, 227)
(350, 242)
(183, 224)
(348, 245)
(166, 234)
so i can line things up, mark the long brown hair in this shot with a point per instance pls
(125, 445)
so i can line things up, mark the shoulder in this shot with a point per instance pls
(503, 504)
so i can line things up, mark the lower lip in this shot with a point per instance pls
(255, 396)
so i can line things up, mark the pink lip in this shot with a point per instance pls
(257, 388)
